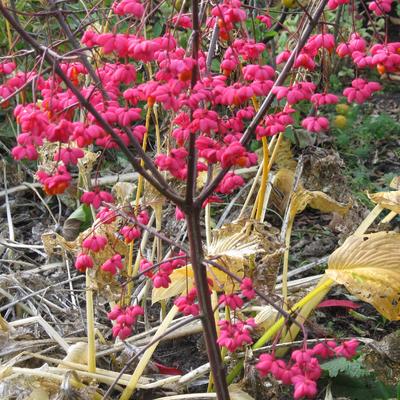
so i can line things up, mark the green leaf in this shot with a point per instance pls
(156, 29)
(361, 389)
(271, 34)
(352, 369)
(215, 65)
(255, 145)
(82, 213)
(77, 222)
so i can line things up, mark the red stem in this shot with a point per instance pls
(207, 314)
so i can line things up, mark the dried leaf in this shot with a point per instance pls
(300, 200)
(324, 203)
(124, 192)
(389, 200)
(77, 353)
(4, 325)
(152, 197)
(86, 164)
(395, 183)
(284, 157)
(266, 317)
(368, 266)
(283, 184)
(236, 393)
(38, 394)
(281, 188)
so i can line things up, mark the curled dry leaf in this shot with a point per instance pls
(368, 266)
(283, 183)
(86, 164)
(19, 383)
(266, 317)
(324, 203)
(124, 192)
(77, 353)
(389, 200)
(395, 183)
(55, 244)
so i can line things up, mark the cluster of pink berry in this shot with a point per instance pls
(216, 108)
(381, 7)
(96, 243)
(186, 304)
(162, 277)
(232, 335)
(235, 335)
(124, 319)
(128, 7)
(385, 57)
(303, 370)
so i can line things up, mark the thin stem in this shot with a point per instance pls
(192, 157)
(90, 324)
(264, 179)
(139, 189)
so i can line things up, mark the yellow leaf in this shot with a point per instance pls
(369, 267)
(324, 203)
(299, 201)
(181, 279)
(389, 200)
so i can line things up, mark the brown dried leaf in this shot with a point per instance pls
(152, 197)
(389, 200)
(86, 164)
(368, 266)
